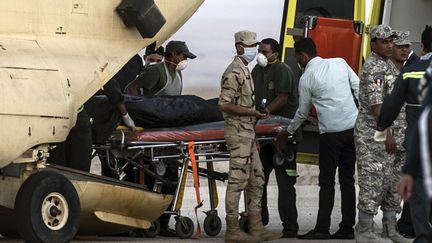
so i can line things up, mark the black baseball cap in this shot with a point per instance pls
(180, 47)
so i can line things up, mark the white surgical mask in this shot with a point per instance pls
(182, 65)
(262, 60)
(249, 53)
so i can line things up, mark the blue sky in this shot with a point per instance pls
(209, 34)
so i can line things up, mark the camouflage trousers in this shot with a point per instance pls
(378, 176)
(245, 174)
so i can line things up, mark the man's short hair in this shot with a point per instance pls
(305, 45)
(426, 38)
(273, 44)
(160, 51)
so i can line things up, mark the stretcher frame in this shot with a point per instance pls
(209, 152)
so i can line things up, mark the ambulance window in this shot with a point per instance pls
(343, 9)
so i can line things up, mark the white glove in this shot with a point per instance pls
(129, 122)
(380, 136)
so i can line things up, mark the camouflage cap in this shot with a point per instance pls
(401, 38)
(246, 37)
(381, 32)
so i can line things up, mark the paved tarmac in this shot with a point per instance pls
(307, 204)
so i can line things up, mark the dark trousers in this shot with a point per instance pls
(416, 214)
(420, 210)
(405, 224)
(336, 150)
(172, 175)
(76, 151)
(286, 191)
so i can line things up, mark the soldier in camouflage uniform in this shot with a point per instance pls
(245, 169)
(378, 171)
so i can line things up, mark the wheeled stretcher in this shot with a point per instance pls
(150, 151)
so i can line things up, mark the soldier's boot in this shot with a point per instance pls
(234, 234)
(257, 229)
(364, 232)
(389, 228)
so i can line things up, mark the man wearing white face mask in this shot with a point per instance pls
(163, 78)
(237, 103)
(274, 82)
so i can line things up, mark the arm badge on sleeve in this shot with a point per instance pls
(378, 81)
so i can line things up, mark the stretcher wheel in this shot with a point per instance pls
(47, 208)
(244, 225)
(184, 227)
(212, 225)
(290, 157)
(278, 159)
(153, 231)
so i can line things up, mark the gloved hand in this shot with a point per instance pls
(380, 136)
(129, 122)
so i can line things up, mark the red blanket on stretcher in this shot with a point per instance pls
(200, 132)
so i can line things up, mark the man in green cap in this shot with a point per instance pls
(163, 78)
(237, 102)
(274, 84)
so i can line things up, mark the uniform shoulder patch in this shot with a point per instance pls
(378, 78)
(378, 81)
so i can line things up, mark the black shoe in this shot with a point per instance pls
(289, 234)
(408, 235)
(315, 235)
(343, 235)
(167, 232)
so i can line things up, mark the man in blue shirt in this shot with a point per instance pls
(328, 85)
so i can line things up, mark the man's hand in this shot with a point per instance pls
(266, 111)
(405, 186)
(129, 122)
(258, 114)
(282, 138)
(390, 143)
(313, 120)
(240, 111)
